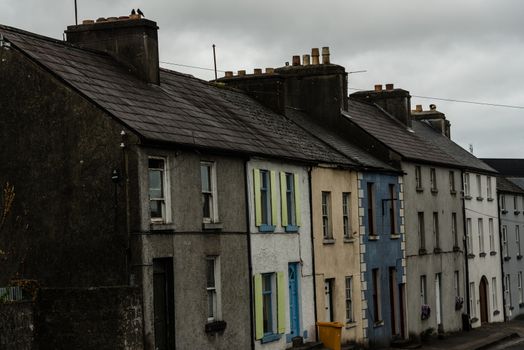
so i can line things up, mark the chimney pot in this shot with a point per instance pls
(134, 16)
(270, 70)
(123, 17)
(432, 107)
(241, 73)
(378, 87)
(287, 64)
(325, 55)
(229, 74)
(305, 60)
(110, 19)
(419, 108)
(88, 21)
(296, 60)
(390, 86)
(315, 54)
(257, 71)
(101, 19)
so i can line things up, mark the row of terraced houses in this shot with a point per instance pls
(170, 212)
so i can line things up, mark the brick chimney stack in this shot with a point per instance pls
(132, 40)
(436, 119)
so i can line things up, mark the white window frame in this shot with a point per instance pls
(327, 231)
(215, 289)
(213, 218)
(503, 203)
(480, 223)
(479, 186)
(469, 235)
(166, 198)
(349, 299)
(346, 219)
(491, 228)
(489, 188)
(505, 252)
(466, 185)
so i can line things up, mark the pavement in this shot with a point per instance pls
(502, 335)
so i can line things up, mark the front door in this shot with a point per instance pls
(483, 300)
(164, 320)
(294, 312)
(328, 290)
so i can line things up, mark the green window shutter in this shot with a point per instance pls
(281, 303)
(259, 317)
(258, 200)
(273, 198)
(297, 198)
(283, 196)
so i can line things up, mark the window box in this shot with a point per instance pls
(480, 198)
(348, 240)
(268, 338)
(212, 226)
(328, 241)
(373, 238)
(519, 257)
(266, 228)
(291, 228)
(215, 327)
(490, 199)
(395, 236)
(420, 189)
(507, 258)
(422, 251)
(468, 197)
(471, 256)
(492, 253)
(496, 312)
(483, 254)
(456, 249)
(437, 250)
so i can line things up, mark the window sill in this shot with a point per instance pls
(507, 258)
(437, 250)
(490, 199)
(471, 256)
(474, 319)
(516, 212)
(468, 197)
(348, 240)
(373, 238)
(483, 254)
(434, 191)
(496, 312)
(212, 226)
(162, 228)
(422, 251)
(351, 324)
(328, 241)
(456, 249)
(504, 211)
(215, 326)
(493, 253)
(291, 228)
(453, 192)
(378, 324)
(395, 236)
(480, 199)
(268, 338)
(519, 257)
(266, 228)
(420, 189)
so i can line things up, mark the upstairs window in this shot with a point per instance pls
(421, 232)
(265, 199)
(209, 192)
(503, 204)
(326, 215)
(479, 187)
(481, 235)
(469, 235)
(371, 205)
(433, 179)
(491, 228)
(488, 188)
(467, 193)
(345, 215)
(516, 204)
(392, 210)
(454, 233)
(418, 177)
(290, 201)
(158, 194)
(517, 240)
(436, 233)
(452, 188)
(505, 253)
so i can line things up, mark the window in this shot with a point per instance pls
(349, 299)
(423, 291)
(345, 214)
(265, 196)
(454, 232)
(392, 210)
(213, 288)
(268, 303)
(515, 204)
(479, 187)
(521, 296)
(491, 229)
(377, 312)
(433, 179)
(326, 215)
(466, 185)
(456, 283)
(503, 204)
(209, 192)
(158, 190)
(481, 235)
(494, 293)
(505, 241)
(472, 300)
(270, 309)
(436, 233)
(517, 239)
(290, 201)
(452, 188)
(371, 204)
(421, 231)
(418, 177)
(488, 186)
(507, 290)
(469, 236)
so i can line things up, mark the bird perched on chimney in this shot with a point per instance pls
(133, 12)
(140, 12)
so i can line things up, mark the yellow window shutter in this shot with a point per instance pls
(258, 200)
(274, 198)
(259, 317)
(281, 303)
(298, 210)
(283, 196)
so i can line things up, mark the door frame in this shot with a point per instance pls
(294, 302)
(483, 300)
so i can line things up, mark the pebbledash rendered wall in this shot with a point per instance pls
(271, 252)
(483, 264)
(429, 262)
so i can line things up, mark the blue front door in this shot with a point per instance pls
(294, 313)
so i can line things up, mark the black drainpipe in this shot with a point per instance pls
(501, 255)
(312, 248)
(465, 239)
(250, 263)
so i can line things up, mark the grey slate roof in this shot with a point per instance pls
(510, 167)
(182, 110)
(459, 154)
(393, 134)
(336, 141)
(505, 185)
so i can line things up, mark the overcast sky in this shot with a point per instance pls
(468, 50)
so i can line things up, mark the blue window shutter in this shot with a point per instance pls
(258, 199)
